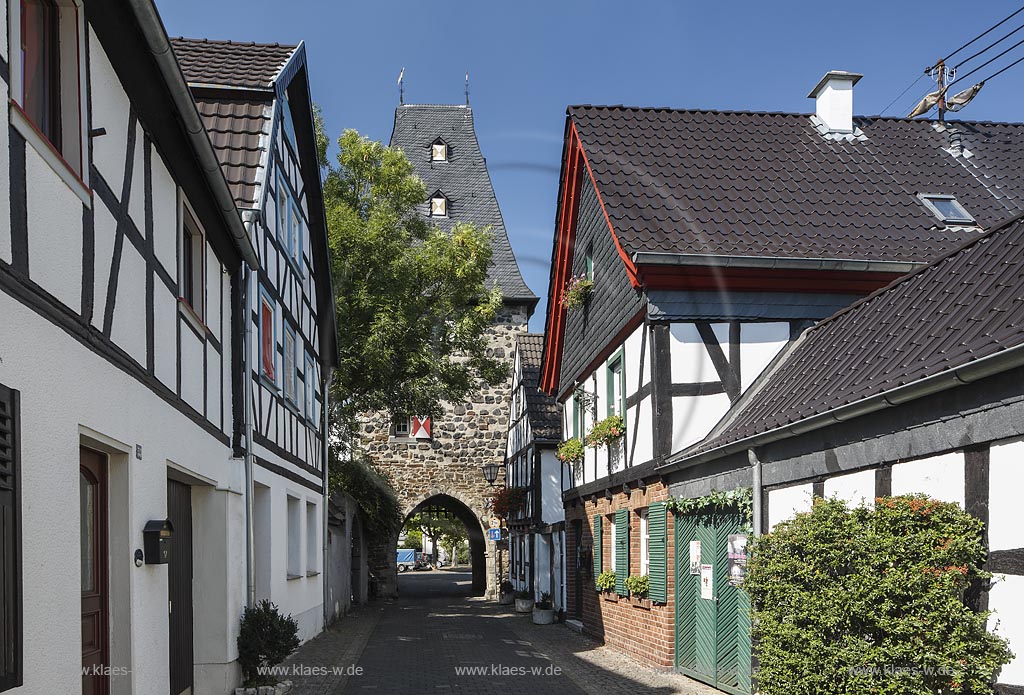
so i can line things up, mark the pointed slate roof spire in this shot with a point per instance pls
(464, 181)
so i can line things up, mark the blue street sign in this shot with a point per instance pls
(494, 534)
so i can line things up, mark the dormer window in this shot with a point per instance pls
(438, 205)
(946, 208)
(439, 151)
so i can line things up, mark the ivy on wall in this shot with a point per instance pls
(740, 500)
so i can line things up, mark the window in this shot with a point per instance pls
(309, 376)
(10, 543)
(614, 542)
(294, 539)
(282, 208)
(439, 151)
(438, 205)
(312, 538)
(401, 425)
(193, 290)
(946, 208)
(46, 82)
(268, 337)
(645, 543)
(295, 236)
(288, 371)
(616, 402)
(589, 264)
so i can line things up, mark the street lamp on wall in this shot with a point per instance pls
(490, 473)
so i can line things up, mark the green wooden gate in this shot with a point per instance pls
(712, 635)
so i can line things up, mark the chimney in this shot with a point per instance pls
(833, 97)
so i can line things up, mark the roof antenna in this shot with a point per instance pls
(467, 87)
(401, 86)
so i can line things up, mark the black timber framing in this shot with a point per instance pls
(728, 372)
(661, 384)
(289, 474)
(19, 202)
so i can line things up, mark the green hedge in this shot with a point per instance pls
(871, 601)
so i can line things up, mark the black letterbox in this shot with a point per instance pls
(157, 541)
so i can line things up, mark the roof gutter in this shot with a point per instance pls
(159, 45)
(951, 378)
(773, 262)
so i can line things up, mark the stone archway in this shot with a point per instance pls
(470, 518)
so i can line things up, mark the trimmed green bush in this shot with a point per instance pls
(606, 580)
(265, 639)
(871, 602)
(638, 585)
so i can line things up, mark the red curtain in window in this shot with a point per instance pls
(267, 350)
(40, 65)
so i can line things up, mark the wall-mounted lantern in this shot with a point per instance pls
(156, 537)
(490, 471)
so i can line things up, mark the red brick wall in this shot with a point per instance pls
(643, 630)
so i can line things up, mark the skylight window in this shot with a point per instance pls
(946, 208)
(439, 151)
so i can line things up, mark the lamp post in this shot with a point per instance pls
(490, 471)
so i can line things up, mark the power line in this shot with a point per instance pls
(1000, 72)
(919, 78)
(984, 33)
(987, 62)
(965, 60)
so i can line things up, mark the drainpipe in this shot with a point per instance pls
(325, 570)
(755, 465)
(250, 539)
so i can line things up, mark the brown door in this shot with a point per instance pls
(93, 525)
(179, 587)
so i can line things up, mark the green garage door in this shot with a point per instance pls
(712, 624)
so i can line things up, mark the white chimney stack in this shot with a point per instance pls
(833, 97)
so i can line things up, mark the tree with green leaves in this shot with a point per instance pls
(441, 531)
(412, 304)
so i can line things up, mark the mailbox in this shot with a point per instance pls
(157, 541)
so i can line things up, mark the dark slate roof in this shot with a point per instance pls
(542, 409)
(236, 126)
(771, 184)
(229, 63)
(463, 179)
(959, 309)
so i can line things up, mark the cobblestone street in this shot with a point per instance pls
(436, 638)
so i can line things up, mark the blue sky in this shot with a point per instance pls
(528, 60)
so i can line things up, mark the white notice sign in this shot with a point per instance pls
(694, 557)
(707, 582)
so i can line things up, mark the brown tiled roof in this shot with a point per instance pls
(964, 307)
(542, 409)
(230, 64)
(236, 126)
(773, 185)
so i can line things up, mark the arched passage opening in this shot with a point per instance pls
(458, 511)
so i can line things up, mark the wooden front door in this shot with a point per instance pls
(93, 526)
(179, 586)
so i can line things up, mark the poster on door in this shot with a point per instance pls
(707, 582)
(694, 557)
(737, 559)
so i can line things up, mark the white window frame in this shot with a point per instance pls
(645, 543)
(196, 314)
(70, 167)
(439, 151)
(309, 381)
(267, 300)
(290, 377)
(611, 535)
(928, 200)
(444, 204)
(406, 422)
(294, 537)
(312, 537)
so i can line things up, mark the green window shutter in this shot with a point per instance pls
(621, 550)
(597, 546)
(657, 548)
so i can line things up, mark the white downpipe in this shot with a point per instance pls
(755, 464)
(326, 569)
(250, 539)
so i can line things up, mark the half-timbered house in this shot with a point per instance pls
(121, 254)
(537, 531)
(254, 101)
(713, 240)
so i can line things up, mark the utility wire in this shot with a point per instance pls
(965, 60)
(1000, 72)
(987, 62)
(984, 33)
(919, 78)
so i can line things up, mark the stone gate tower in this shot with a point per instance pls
(444, 469)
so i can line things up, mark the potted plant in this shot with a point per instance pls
(576, 291)
(606, 580)
(506, 593)
(524, 601)
(509, 501)
(638, 585)
(544, 611)
(606, 432)
(265, 639)
(570, 451)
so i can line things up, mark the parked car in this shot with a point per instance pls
(406, 559)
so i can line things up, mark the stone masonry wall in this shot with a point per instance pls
(465, 437)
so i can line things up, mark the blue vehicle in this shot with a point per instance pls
(406, 559)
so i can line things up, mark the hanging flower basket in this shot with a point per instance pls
(508, 501)
(570, 451)
(606, 432)
(576, 291)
